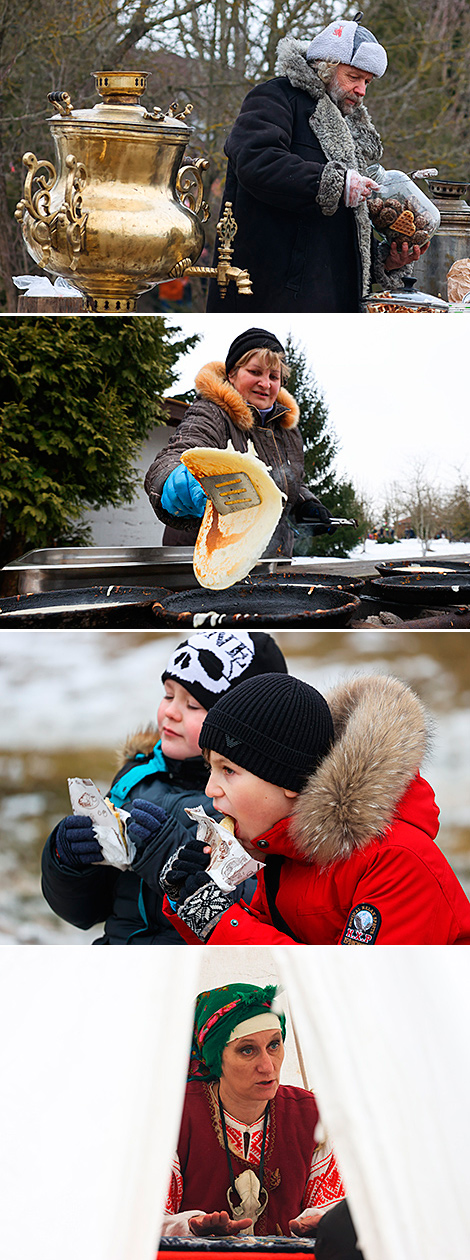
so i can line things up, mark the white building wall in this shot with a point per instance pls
(134, 524)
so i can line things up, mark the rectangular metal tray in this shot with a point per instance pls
(64, 568)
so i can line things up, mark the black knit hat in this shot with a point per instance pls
(275, 726)
(211, 662)
(252, 339)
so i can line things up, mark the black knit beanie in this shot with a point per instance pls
(211, 662)
(252, 339)
(275, 726)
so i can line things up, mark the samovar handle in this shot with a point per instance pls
(187, 177)
(62, 101)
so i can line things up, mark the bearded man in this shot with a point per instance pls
(297, 157)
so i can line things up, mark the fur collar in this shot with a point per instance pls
(380, 739)
(190, 769)
(356, 132)
(140, 742)
(211, 383)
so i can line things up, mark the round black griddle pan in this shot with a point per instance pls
(266, 603)
(433, 589)
(423, 566)
(85, 606)
(297, 577)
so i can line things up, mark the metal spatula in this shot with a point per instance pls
(230, 492)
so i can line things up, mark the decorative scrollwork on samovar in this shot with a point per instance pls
(65, 228)
(190, 188)
(174, 111)
(62, 102)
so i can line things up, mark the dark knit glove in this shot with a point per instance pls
(189, 871)
(312, 513)
(144, 824)
(202, 911)
(169, 886)
(75, 842)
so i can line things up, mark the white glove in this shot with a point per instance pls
(357, 188)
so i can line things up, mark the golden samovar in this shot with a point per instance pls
(120, 213)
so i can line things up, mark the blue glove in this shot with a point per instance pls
(182, 495)
(144, 823)
(189, 871)
(76, 843)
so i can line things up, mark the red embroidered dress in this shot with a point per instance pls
(297, 1173)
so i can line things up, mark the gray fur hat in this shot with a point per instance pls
(350, 44)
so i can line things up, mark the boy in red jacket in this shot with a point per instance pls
(329, 797)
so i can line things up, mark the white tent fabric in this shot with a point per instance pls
(385, 1034)
(93, 1057)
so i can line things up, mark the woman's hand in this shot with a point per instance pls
(182, 495)
(304, 1226)
(219, 1223)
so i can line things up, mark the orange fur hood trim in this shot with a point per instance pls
(211, 383)
(142, 741)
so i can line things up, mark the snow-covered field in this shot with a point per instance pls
(410, 548)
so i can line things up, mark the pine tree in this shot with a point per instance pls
(320, 447)
(78, 397)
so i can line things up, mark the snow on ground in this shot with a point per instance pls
(410, 549)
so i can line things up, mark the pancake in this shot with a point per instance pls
(227, 546)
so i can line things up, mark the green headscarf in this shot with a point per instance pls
(218, 1011)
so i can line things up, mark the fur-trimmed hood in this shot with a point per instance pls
(142, 741)
(211, 383)
(141, 744)
(381, 735)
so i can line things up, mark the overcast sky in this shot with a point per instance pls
(397, 386)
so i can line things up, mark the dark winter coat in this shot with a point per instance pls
(288, 154)
(219, 415)
(356, 863)
(130, 902)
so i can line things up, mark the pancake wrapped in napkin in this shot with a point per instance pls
(227, 546)
(109, 823)
(229, 864)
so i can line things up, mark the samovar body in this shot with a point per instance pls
(108, 216)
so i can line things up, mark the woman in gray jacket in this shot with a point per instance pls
(241, 400)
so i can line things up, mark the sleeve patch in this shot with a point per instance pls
(362, 926)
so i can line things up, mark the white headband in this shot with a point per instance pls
(257, 1023)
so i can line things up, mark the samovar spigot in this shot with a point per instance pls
(223, 272)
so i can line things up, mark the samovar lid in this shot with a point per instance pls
(121, 91)
(120, 87)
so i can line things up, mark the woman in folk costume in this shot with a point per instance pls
(248, 1157)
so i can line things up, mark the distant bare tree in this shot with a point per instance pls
(457, 511)
(420, 500)
(422, 104)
